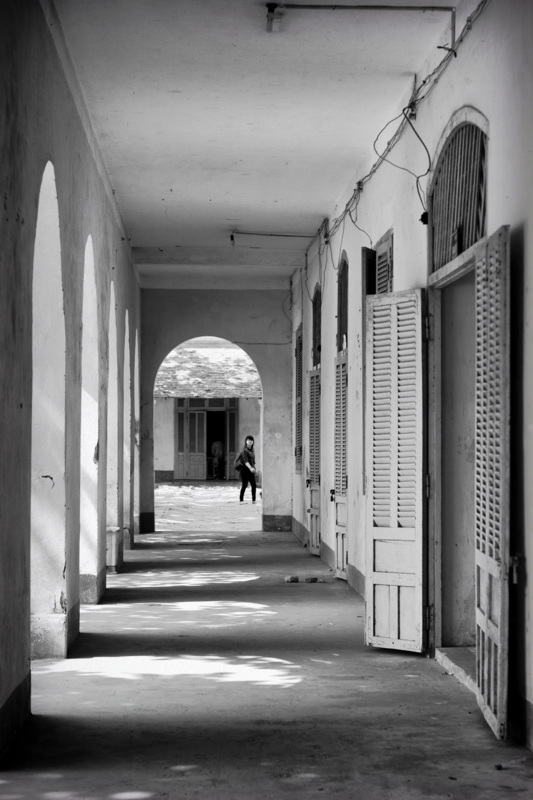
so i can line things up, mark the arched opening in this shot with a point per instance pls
(49, 604)
(90, 591)
(207, 399)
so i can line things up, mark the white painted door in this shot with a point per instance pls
(395, 473)
(341, 461)
(196, 446)
(314, 462)
(231, 445)
(180, 466)
(492, 477)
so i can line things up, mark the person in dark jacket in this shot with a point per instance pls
(245, 463)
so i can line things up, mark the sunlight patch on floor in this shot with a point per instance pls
(257, 670)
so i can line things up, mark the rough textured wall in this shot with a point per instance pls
(256, 321)
(39, 122)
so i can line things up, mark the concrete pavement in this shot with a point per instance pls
(205, 674)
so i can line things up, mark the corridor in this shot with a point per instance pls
(204, 673)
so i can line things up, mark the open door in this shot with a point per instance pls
(314, 462)
(341, 476)
(492, 477)
(395, 473)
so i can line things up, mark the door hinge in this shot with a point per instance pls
(428, 329)
(428, 485)
(430, 617)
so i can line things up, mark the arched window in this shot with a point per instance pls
(457, 197)
(342, 307)
(317, 325)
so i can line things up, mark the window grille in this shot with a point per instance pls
(298, 401)
(457, 198)
(342, 307)
(317, 325)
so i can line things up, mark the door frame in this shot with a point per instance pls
(440, 279)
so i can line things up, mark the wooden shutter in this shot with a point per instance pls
(492, 477)
(384, 265)
(342, 307)
(340, 426)
(298, 401)
(314, 426)
(395, 574)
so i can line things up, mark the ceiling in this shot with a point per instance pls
(208, 124)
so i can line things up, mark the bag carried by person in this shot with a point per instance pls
(238, 465)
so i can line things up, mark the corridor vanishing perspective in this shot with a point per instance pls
(204, 673)
(311, 224)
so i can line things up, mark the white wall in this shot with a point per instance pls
(491, 78)
(164, 447)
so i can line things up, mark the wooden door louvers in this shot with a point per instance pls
(395, 569)
(314, 426)
(341, 381)
(492, 477)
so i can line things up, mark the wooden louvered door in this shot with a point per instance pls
(314, 462)
(395, 470)
(181, 468)
(341, 476)
(492, 477)
(196, 446)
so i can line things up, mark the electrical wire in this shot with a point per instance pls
(426, 86)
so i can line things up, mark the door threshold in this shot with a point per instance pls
(460, 662)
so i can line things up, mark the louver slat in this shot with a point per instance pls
(298, 401)
(394, 459)
(340, 427)
(314, 427)
(492, 477)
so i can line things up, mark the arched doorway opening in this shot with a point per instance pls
(49, 603)
(207, 400)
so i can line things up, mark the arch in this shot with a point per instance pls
(457, 193)
(263, 330)
(317, 325)
(113, 511)
(127, 429)
(90, 568)
(48, 490)
(206, 390)
(342, 305)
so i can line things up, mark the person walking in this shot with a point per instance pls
(245, 464)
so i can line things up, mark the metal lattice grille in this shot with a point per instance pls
(340, 429)
(457, 197)
(314, 427)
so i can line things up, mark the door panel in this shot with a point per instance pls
(492, 477)
(231, 445)
(181, 466)
(341, 476)
(395, 568)
(314, 462)
(197, 446)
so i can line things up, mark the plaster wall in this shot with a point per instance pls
(164, 449)
(257, 321)
(41, 120)
(489, 82)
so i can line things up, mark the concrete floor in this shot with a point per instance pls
(205, 674)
